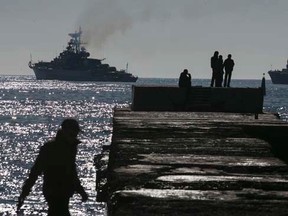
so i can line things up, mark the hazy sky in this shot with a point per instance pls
(158, 38)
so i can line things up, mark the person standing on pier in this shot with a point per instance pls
(220, 72)
(185, 84)
(56, 161)
(228, 66)
(185, 79)
(214, 66)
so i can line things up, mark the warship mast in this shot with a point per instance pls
(76, 40)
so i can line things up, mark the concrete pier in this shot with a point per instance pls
(170, 163)
(195, 163)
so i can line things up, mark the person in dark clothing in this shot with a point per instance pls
(228, 66)
(185, 79)
(220, 72)
(214, 66)
(56, 161)
(185, 85)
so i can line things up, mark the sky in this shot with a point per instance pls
(157, 38)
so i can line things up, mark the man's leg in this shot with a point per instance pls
(213, 78)
(229, 78)
(225, 79)
(58, 206)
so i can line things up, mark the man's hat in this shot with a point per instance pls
(70, 123)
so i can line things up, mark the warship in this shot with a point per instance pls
(74, 64)
(279, 76)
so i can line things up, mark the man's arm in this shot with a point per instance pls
(211, 62)
(78, 187)
(35, 171)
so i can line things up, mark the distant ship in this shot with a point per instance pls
(279, 76)
(74, 64)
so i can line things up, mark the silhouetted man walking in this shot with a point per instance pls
(228, 66)
(56, 161)
(214, 66)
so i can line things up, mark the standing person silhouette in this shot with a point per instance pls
(214, 66)
(220, 72)
(228, 65)
(185, 79)
(56, 161)
(185, 84)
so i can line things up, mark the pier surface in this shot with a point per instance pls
(196, 163)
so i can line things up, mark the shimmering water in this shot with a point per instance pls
(30, 114)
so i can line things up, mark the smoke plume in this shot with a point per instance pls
(104, 18)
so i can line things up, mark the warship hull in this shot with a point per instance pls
(279, 77)
(80, 75)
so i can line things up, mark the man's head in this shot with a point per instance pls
(70, 126)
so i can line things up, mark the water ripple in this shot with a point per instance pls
(30, 114)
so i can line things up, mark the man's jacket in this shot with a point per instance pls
(56, 161)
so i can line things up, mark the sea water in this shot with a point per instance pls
(32, 110)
